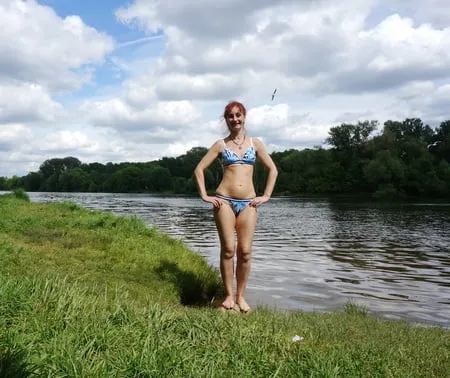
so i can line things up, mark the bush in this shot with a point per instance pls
(21, 194)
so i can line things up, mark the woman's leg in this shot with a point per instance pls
(245, 229)
(225, 223)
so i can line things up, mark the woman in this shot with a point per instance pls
(235, 203)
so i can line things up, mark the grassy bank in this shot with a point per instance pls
(88, 294)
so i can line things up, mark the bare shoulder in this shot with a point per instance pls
(216, 148)
(217, 145)
(211, 155)
(259, 144)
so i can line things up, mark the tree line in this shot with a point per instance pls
(403, 159)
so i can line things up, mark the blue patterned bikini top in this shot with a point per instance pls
(231, 157)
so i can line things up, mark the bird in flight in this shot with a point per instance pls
(273, 94)
(435, 144)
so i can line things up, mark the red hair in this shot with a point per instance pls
(231, 105)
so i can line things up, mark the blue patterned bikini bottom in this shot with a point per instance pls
(236, 204)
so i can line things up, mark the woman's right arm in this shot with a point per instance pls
(199, 174)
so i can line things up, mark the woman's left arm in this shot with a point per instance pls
(271, 168)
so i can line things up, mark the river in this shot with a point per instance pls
(317, 254)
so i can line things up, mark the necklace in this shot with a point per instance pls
(239, 144)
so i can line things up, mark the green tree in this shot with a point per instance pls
(384, 170)
(441, 142)
(190, 160)
(51, 184)
(70, 162)
(127, 180)
(179, 185)
(442, 185)
(58, 165)
(74, 180)
(52, 168)
(347, 136)
(349, 144)
(33, 182)
(161, 179)
(409, 128)
(14, 182)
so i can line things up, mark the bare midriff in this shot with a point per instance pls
(237, 182)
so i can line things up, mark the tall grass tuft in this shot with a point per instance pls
(354, 308)
(17, 193)
(21, 194)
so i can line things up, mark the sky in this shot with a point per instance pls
(138, 80)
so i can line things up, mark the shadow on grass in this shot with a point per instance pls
(12, 364)
(193, 289)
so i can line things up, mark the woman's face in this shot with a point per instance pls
(235, 119)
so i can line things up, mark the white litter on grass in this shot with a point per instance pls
(297, 338)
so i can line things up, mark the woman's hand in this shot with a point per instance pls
(212, 199)
(257, 201)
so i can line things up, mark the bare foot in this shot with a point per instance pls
(243, 305)
(228, 303)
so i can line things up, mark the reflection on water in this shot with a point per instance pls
(315, 254)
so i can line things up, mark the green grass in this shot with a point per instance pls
(88, 294)
(71, 241)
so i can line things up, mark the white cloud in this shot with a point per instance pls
(325, 45)
(279, 124)
(25, 102)
(177, 149)
(12, 134)
(436, 106)
(160, 119)
(37, 46)
(12, 137)
(435, 12)
(402, 45)
(212, 86)
(65, 141)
